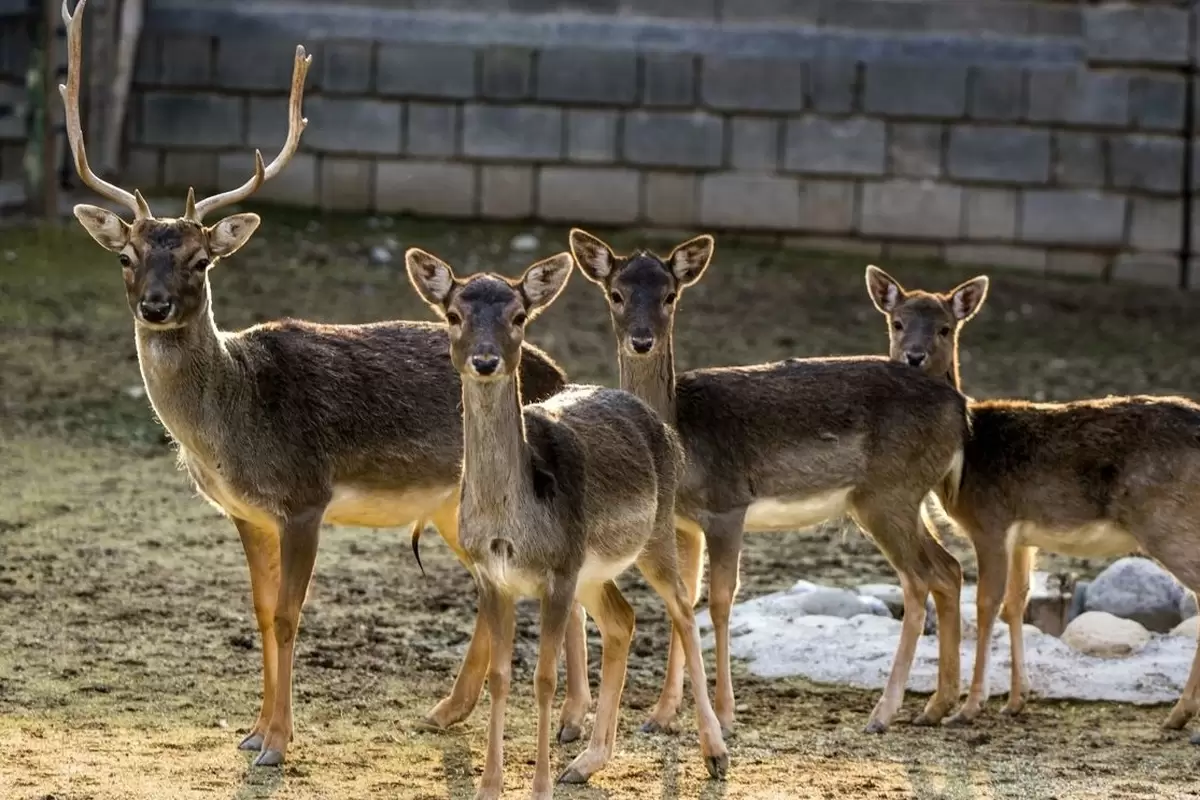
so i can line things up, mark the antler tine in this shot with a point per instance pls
(296, 125)
(70, 94)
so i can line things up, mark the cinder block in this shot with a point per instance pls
(141, 168)
(434, 188)
(803, 12)
(1156, 225)
(1001, 155)
(1151, 269)
(895, 15)
(506, 192)
(826, 206)
(512, 132)
(755, 143)
(587, 76)
(346, 67)
(432, 129)
(1078, 263)
(269, 123)
(997, 94)
(915, 149)
(340, 125)
(673, 138)
(911, 210)
(1078, 97)
(198, 170)
(187, 61)
(191, 120)
(588, 194)
(668, 80)
(996, 255)
(260, 63)
(908, 251)
(682, 9)
(507, 73)
(911, 89)
(835, 244)
(1157, 102)
(990, 214)
(1079, 159)
(346, 184)
(1141, 34)
(671, 199)
(744, 84)
(1149, 163)
(834, 87)
(296, 185)
(1066, 218)
(592, 136)
(737, 200)
(851, 146)
(426, 70)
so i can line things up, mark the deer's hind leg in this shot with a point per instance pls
(262, 557)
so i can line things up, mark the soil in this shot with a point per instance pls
(129, 657)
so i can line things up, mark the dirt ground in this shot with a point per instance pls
(128, 650)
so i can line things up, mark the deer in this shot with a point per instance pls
(558, 498)
(1095, 478)
(784, 446)
(289, 424)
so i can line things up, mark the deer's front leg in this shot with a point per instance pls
(262, 557)
(299, 535)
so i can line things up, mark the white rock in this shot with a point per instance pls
(380, 255)
(1187, 605)
(804, 586)
(1190, 628)
(524, 243)
(1137, 589)
(831, 603)
(873, 605)
(888, 593)
(1098, 633)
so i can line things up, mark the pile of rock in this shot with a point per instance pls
(1114, 615)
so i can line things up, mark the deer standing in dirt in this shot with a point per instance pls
(288, 424)
(557, 500)
(785, 446)
(1091, 479)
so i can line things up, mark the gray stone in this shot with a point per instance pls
(1001, 155)
(340, 125)
(346, 67)
(294, 186)
(262, 63)
(738, 200)
(1079, 159)
(426, 70)
(873, 15)
(668, 80)
(1078, 600)
(431, 130)
(1148, 269)
(198, 170)
(831, 603)
(588, 194)
(516, 132)
(1187, 605)
(1136, 35)
(587, 76)
(755, 143)
(990, 214)
(380, 256)
(911, 209)
(345, 184)
(592, 136)
(852, 146)
(1078, 97)
(997, 94)
(672, 199)
(875, 606)
(826, 206)
(891, 595)
(507, 73)
(202, 120)
(1066, 217)
(996, 255)
(505, 192)
(1157, 224)
(805, 12)
(1157, 102)
(1056, 19)
(436, 188)
(911, 89)
(187, 62)
(672, 138)
(1150, 163)
(685, 9)
(1137, 589)
(1103, 635)
(743, 84)
(915, 150)
(978, 18)
(834, 85)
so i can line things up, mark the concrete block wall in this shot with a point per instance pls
(1044, 136)
(14, 56)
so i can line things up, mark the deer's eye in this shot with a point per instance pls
(453, 318)
(670, 299)
(616, 298)
(201, 265)
(945, 331)
(124, 259)
(520, 319)
(897, 325)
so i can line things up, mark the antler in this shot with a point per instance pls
(70, 95)
(296, 124)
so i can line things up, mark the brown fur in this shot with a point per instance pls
(1128, 466)
(558, 499)
(786, 445)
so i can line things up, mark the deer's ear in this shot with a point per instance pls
(227, 236)
(689, 260)
(886, 292)
(110, 231)
(967, 297)
(543, 282)
(596, 259)
(430, 276)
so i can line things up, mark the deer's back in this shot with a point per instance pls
(812, 431)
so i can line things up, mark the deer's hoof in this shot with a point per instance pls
(572, 776)
(654, 726)
(876, 726)
(923, 720)
(959, 720)
(269, 758)
(252, 742)
(1012, 709)
(569, 733)
(717, 766)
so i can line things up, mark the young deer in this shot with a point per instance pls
(1092, 478)
(557, 500)
(785, 446)
(288, 424)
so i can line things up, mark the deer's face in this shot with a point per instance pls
(486, 317)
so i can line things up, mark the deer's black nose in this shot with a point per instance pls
(485, 364)
(641, 344)
(155, 311)
(915, 359)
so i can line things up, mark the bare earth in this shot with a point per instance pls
(128, 651)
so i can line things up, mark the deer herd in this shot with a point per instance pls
(550, 490)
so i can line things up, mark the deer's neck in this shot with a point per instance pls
(651, 378)
(495, 474)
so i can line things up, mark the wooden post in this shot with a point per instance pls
(50, 95)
